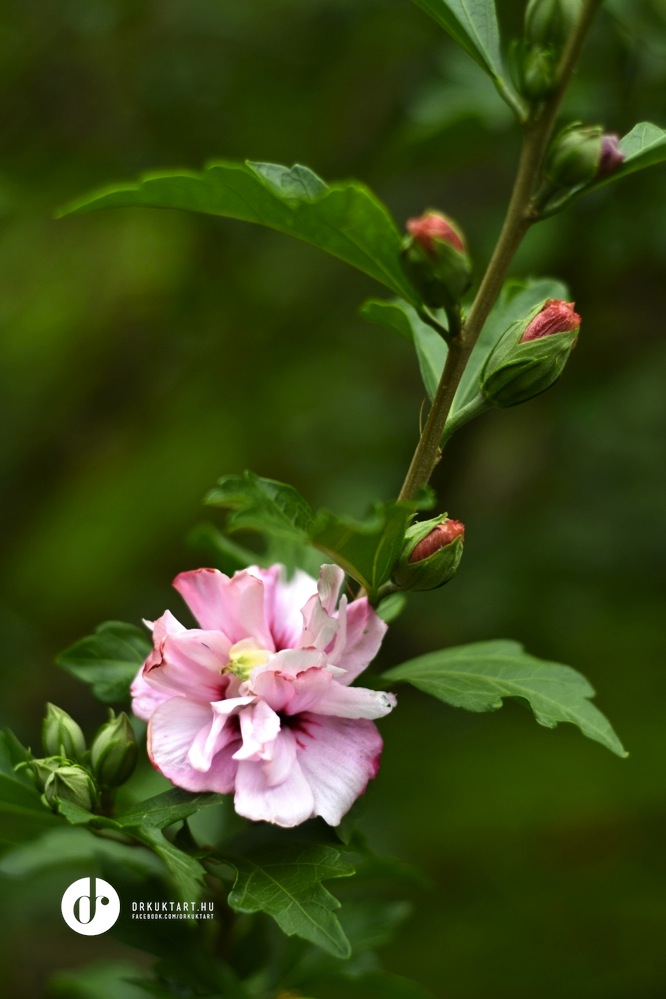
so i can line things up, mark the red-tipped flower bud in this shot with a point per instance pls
(556, 316)
(431, 554)
(435, 259)
(531, 355)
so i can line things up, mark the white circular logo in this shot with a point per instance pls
(90, 906)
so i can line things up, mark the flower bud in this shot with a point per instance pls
(550, 22)
(114, 752)
(535, 70)
(531, 355)
(435, 259)
(611, 155)
(575, 155)
(61, 735)
(70, 783)
(431, 554)
(41, 770)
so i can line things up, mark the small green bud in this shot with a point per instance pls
(114, 751)
(61, 735)
(41, 770)
(574, 157)
(550, 22)
(431, 554)
(435, 259)
(534, 68)
(531, 354)
(70, 783)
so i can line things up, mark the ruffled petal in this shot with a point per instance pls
(172, 730)
(287, 803)
(213, 737)
(283, 602)
(338, 756)
(234, 606)
(259, 730)
(190, 663)
(145, 698)
(365, 631)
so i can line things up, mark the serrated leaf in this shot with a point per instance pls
(107, 660)
(473, 25)
(344, 219)
(478, 676)
(263, 505)
(287, 885)
(164, 809)
(515, 301)
(366, 549)
(404, 320)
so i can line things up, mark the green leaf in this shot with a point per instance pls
(366, 549)
(186, 872)
(107, 660)
(478, 676)
(62, 845)
(263, 505)
(164, 809)
(515, 301)
(344, 219)
(404, 320)
(473, 25)
(287, 884)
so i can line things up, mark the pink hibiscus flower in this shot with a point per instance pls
(257, 699)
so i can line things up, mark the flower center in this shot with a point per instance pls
(245, 656)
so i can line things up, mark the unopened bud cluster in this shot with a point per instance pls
(69, 772)
(435, 259)
(431, 554)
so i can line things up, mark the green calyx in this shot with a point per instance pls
(113, 754)
(438, 567)
(61, 735)
(516, 372)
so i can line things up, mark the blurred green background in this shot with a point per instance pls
(143, 354)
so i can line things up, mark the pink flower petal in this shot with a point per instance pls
(172, 729)
(190, 663)
(145, 698)
(338, 756)
(213, 737)
(259, 730)
(234, 606)
(365, 631)
(287, 803)
(283, 600)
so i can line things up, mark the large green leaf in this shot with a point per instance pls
(404, 320)
(478, 676)
(366, 549)
(287, 884)
(107, 660)
(264, 505)
(344, 219)
(514, 302)
(473, 25)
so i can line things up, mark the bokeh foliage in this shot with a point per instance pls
(144, 354)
